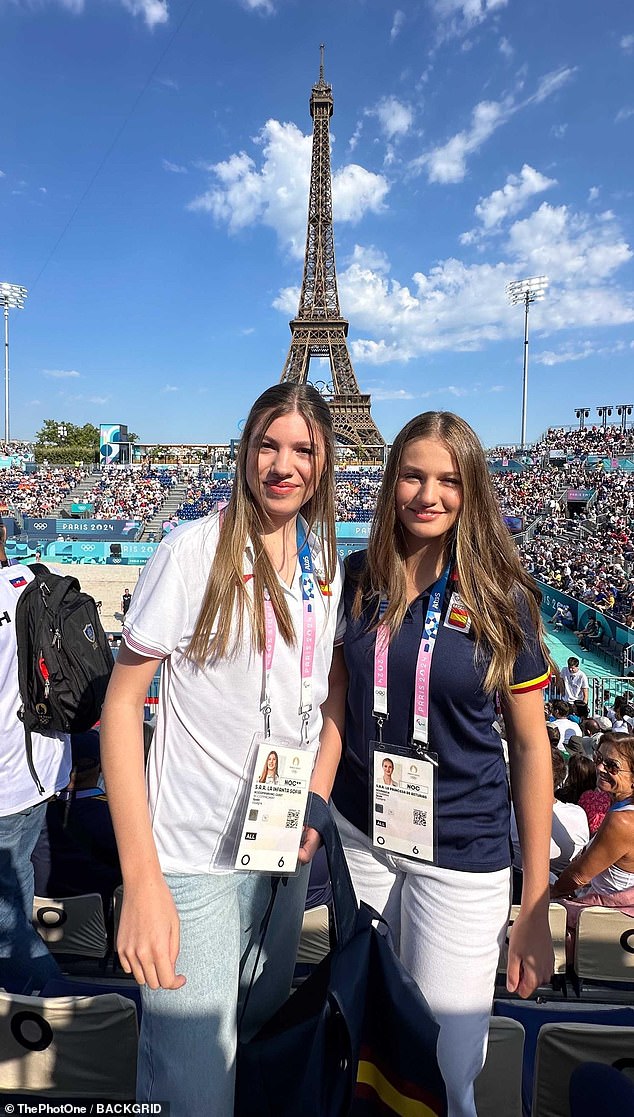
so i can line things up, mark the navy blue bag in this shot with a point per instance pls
(357, 1038)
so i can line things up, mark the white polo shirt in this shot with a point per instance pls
(51, 755)
(201, 756)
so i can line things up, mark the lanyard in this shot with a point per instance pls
(307, 582)
(420, 732)
(85, 793)
(622, 805)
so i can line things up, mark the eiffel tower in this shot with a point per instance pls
(319, 330)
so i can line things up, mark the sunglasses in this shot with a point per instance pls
(610, 766)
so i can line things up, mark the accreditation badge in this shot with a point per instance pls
(273, 822)
(403, 802)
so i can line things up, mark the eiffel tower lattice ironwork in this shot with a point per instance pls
(319, 330)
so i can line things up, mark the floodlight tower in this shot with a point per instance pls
(582, 414)
(11, 298)
(526, 291)
(604, 412)
(624, 410)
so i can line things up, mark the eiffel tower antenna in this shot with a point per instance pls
(319, 330)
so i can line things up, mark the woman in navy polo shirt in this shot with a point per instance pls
(440, 618)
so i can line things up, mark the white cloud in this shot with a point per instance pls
(569, 353)
(593, 193)
(2, 174)
(627, 43)
(623, 114)
(391, 394)
(397, 23)
(275, 194)
(457, 17)
(448, 162)
(505, 48)
(573, 247)
(169, 388)
(462, 307)
(551, 83)
(394, 116)
(174, 168)
(263, 6)
(356, 192)
(558, 131)
(507, 201)
(154, 12)
(61, 373)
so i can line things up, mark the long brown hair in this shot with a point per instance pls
(265, 770)
(244, 522)
(490, 575)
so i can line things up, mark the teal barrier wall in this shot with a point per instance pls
(551, 598)
(131, 554)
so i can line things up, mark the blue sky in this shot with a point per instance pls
(154, 161)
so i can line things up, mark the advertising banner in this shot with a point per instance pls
(579, 494)
(47, 528)
(351, 530)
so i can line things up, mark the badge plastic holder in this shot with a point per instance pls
(403, 791)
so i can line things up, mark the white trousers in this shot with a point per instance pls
(448, 928)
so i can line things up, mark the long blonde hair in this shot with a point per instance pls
(244, 522)
(491, 578)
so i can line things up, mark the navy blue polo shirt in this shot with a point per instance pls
(473, 796)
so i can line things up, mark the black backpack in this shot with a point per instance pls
(64, 658)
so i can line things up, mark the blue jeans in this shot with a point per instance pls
(25, 962)
(187, 1046)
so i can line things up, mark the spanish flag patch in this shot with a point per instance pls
(457, 615)
(325, 588)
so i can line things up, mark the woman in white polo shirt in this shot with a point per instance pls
(226, 605)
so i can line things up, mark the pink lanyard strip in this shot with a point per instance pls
(423, 664)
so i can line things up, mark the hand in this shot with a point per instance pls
(530, 957)
(148, 939)
(311, 841)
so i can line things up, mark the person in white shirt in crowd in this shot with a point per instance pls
(562, 617)
(567, 728)
(575, 683)
(570, 831)
(25, 962)
(621, 715)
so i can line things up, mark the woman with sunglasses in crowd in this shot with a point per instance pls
(605, 868)
(441, 617)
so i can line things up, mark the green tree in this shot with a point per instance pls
(61, 432)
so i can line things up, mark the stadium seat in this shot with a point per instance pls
(68, 1047)
(604, 946)
(72, 925)
(314, 941)
(70, 987)
(498, 1087)
(534, 1015)
(557, 923)
(563, 1047)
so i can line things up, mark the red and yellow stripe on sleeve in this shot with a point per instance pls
(531, 684)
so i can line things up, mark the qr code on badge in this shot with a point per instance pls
(292, 820)
(420, 818)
